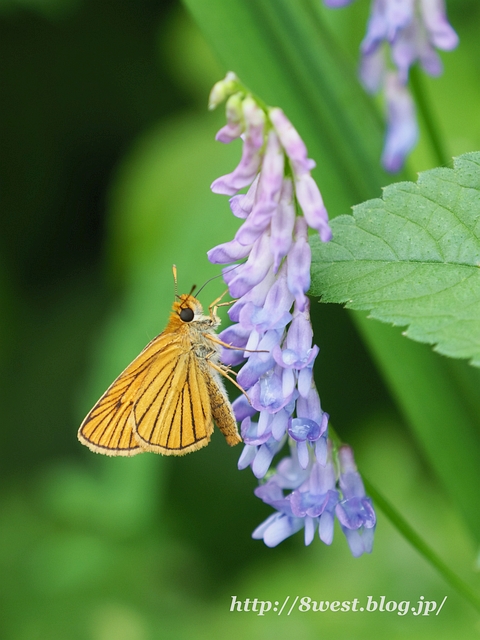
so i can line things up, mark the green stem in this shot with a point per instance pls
(421, 546)
(425, 108)
(412, 536)
(248, 92)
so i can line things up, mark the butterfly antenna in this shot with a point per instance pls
(174, 269)
(219, 275)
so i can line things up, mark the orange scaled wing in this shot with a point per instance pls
(172, 413)
(107, 428)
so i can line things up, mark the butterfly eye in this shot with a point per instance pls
(186, 315)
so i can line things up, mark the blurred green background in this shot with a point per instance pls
(107, 154)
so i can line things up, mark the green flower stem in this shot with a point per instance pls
(248, 92)
(461, 587)
(422, 385)
(416, 541)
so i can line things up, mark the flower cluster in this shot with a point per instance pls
(411, 30)
(273, 332)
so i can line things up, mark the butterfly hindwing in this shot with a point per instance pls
(172, 413)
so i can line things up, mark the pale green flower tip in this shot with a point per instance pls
(222, 90)
(234, 108)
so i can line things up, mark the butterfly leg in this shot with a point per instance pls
(225, 371)
(216, 303)
(217, 340)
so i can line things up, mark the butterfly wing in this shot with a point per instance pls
(172, 413)
(107, 428)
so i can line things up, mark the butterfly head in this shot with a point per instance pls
(187, 309)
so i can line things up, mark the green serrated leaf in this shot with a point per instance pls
(412, 258)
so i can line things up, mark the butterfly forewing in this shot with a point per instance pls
(107, 429)
(172, 412)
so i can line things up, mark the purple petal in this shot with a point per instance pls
(256, 223)
(430, 60)
(251, 433)
(305, 375)
(322, 482)
(387, 19)
(254, 121)
(350, 480)
(303, 429)
(310, 526)
(228, 252)
(254, 270)
(377, 28)
(275, 313)
(236, 336)
(308, 406)
(299, 259)
(256, 296)
(271, 176)
(303, 455)
(402, 131)
(235, 125)
(405, 48)
(325, 529)
(359, 541)
(288, 382)
(372, 69)
(290, 475)
(337, 3)
(277, 528)
(259, 363)
(311, 203)
(267, 393)
(279, 424)
(317, 494)
(261, 320)
(264, 457)
(264, 424)
(300, 334)
(321, 450)
(439, 29)
(242, 204)
(281, 227)
(292, 143)
(243, 174)
(355, 513)
(272, 494)
(249, 164)
(247, 457)
(242, 408)
(397, 15)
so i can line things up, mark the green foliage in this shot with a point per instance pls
(412, 258)
(284, 53)
(304, 69)
(138, 549)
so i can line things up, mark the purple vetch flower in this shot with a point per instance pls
(412, 30)
(311, 498)
(402, 127)
(355, 512)
(272, 333)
